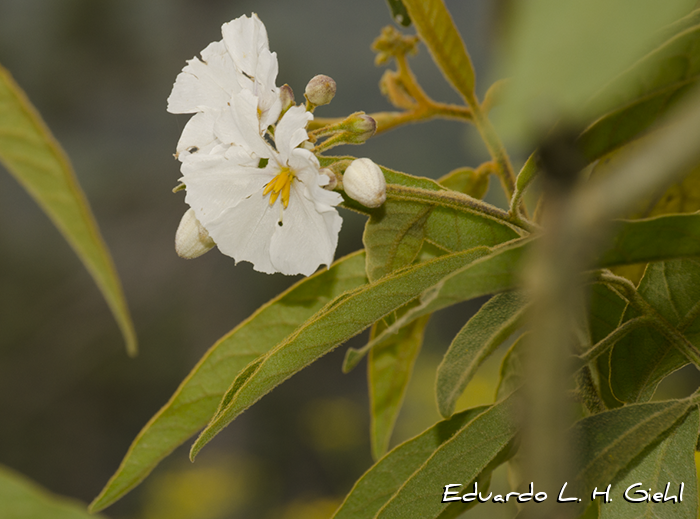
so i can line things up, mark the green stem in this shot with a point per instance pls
(459, 201)
(618, 333)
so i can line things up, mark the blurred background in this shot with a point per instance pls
(71, 401)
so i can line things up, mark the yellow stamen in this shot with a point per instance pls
(281, 184)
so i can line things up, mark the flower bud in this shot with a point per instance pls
(332, 179)
(192, 239)
(287, 97)
(359, 127)
(364, 181)
(320, 90)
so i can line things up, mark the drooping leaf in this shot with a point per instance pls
(32, 155)
(670, 461)
(196, 400)
(476, 445)
(437, 30)
(338, 321)
(644, 357)
(21, 498)
(386, 476)
(595, 41)
(606, 443)
(645, 92)
(389, 369)
(484, 332)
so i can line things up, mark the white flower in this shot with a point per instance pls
(262, 204)
(241, 61)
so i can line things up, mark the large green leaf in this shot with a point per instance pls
(644, 357)
(437, 30)
(386, 476)
(670, 461)
(654, 239)
(512, 373)
(341, 319)
(21, 498)
(32, 155)
(196, 400)
(595, 41)
(606, 443)
(645, 92)
(476, 445)
(389, 369)
(484, 332)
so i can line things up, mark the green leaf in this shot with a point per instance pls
(476, 445)
(668, 461)
(389, 369)
(496, 272)
(645, 92)
(21, 498)
(606, 310)
(196, 400)
(606, 443)
(386, 476)
(32, 155)
(654, 239)
(437, 30)
(595, 41)
(341, 319)
(399, 13)
(483, 333)
(644, 357)
(468, 181)
(393, 236)
(512, 373)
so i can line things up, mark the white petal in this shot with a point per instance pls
(268, 94)
(239, 124)
(205, 84)
(307, 238)
(216, 183)
(291, 130)
(198, 135)
(244, 232)
(245, 38)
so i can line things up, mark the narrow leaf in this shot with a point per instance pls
(437, 30)
(21, 498)
(196, 400)
(670, 461)
(389, 369)
(476, 446)
(399, 13)
(32, 155)
(483, 333)
(331, 326)
(386, 476)
(512, 373)
(607, 442)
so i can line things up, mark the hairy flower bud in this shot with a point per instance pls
(320, 90)
(332, 178)
(364, 181)
(359, 127)
(192, 239)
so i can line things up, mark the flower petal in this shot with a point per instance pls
(209, 83)
(307, 238)
(291, 130)
(198, 135)
(239, 124)
(245, 38)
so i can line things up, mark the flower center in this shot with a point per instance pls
(281, 184)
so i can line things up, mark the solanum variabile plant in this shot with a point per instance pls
(591, 267)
